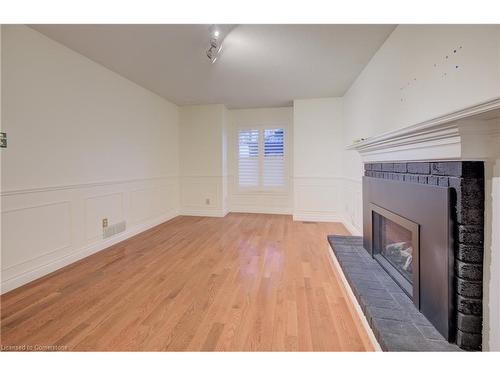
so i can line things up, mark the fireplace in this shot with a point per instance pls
(396, 246)
(422, 222)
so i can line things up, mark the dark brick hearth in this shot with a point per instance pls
(466, 180)
(396, 322)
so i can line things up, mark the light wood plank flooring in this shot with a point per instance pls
(246, 282)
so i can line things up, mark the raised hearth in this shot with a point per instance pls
(394, 319)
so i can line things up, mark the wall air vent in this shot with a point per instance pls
(114, 229)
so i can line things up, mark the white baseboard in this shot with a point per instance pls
(202, 212)
(261, 210)
(317, 216)
(351, 228)
(327, 217)
(83, 252)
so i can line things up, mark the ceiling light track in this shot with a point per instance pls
(215, 43)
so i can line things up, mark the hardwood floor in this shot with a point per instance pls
(246, 282)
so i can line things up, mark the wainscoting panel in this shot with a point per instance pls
(34, 232)
(151, 202)
(108, 206)
(353, 209)
(317, 198)
(336, 199)
(201, 195)
(260, 202)
(46, 228)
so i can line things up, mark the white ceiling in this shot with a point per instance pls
(259, 66)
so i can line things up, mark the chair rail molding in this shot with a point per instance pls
(467, 134)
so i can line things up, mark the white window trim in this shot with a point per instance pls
(260, 189)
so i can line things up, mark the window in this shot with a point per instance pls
(248, 165)
(261, 159)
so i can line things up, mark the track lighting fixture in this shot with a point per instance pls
(215, 44)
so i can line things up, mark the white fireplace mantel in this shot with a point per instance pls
(472, 133)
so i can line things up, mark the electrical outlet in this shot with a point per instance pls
(207, 201)
(105, 222)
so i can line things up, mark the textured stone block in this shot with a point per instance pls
(433, 180)
(470, 216)
(469, 323)
(376, 167)
(422, 179)
(465, 202)
(429, 332)
(469, 271)
(418, 168)
(469, 341)
(376, 293)
(403, 300)
(411, 178)
(468, 169)
(381, 313)
(388, 167)
(397, 343)
(398, 176)
(449, 168)
(473, 169)
(467, 288)
(419, 319)
(394, 327)
(443, 181)
(368, 167)
(469, 253)
(400, 167)
(471, 234)
(469, 306)
(467, 188)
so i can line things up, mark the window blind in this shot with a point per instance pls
(261, 158)
(248, 160)
(273, 171)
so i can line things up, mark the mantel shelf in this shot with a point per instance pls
(472, 133)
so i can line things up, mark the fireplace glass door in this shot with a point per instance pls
(395, 247)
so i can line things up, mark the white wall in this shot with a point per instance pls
(260, 202)
(319, 183)
(410, 80)
(225, 162)
(202, 159)
(84, 144)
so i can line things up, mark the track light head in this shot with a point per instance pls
(215, 43)
(214, 32)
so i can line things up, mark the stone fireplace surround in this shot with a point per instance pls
(466, 180)
(467, 135)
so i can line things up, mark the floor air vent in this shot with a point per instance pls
(111, 230)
